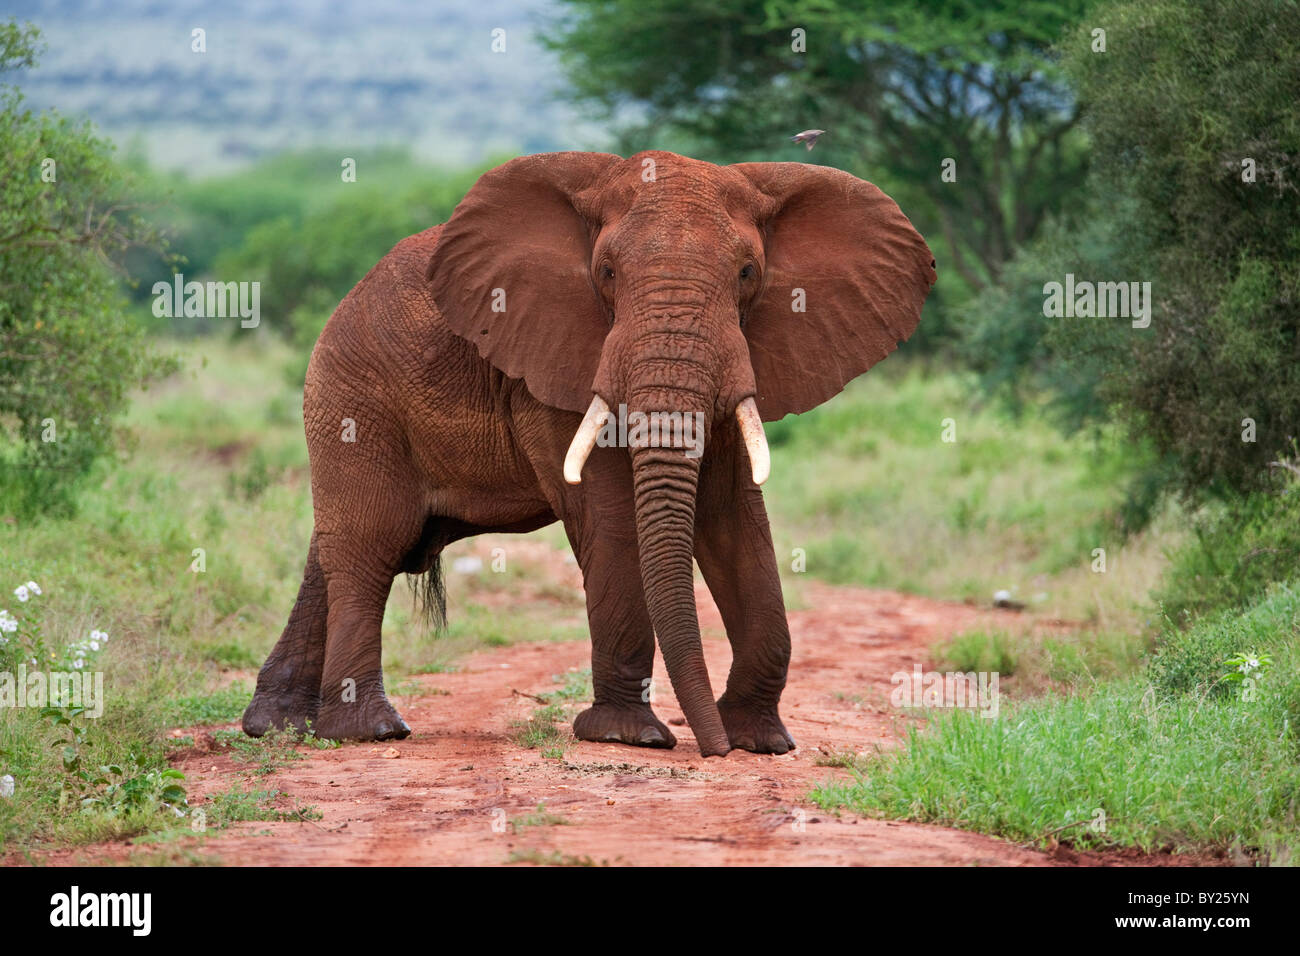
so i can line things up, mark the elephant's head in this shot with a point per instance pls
(739, 293)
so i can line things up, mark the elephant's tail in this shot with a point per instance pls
(430, 590)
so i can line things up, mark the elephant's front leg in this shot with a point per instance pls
(602, 531)
(733, 546)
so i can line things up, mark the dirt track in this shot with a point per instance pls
(433, 798)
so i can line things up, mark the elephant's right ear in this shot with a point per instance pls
(511, 273)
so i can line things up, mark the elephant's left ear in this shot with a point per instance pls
(845, 277)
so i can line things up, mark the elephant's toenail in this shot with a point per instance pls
(651, 735)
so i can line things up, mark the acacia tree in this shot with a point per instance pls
(899, 86)
(69, 355)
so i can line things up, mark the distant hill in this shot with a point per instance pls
(290, 74)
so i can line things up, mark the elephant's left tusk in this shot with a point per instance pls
(751, 430)
(584, 440)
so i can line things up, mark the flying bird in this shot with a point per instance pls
(808, 136)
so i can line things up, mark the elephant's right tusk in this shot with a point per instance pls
(584, 440)
(751, 430)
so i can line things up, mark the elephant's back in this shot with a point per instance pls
(388, 314)
(387, 348)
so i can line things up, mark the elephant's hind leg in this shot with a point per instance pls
(288, 685)
(360, 555)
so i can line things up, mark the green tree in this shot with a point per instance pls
(1195, 188)
(306, 263)
(1195, 113)
(69, 355)
(1195, 123)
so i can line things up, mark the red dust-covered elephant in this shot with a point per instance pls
(572, 283)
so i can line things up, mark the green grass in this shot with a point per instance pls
(870, 492)
(1032, 663)
(541, 817)
(576, 687)
(539, 731)
(223, 706)
(241, 805)
(1174, 758)
(271, 751)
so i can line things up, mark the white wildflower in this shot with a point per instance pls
(20, 592)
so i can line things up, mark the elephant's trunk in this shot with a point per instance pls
(662, 366)
(664, 482)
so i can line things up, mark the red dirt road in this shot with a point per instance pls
(433, 798)
(447, 794)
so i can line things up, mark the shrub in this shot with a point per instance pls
(1237, 550)
(69, 354)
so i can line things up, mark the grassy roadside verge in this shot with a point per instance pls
(1182, 756)
(871, 493)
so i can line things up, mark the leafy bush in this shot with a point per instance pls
(1193, 661)
(1237, 549)
(69, 354)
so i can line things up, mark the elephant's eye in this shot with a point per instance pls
(748, 271)
(606, 270)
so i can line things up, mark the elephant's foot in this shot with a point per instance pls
(286, 711)
(628, 724)
(756, 729)
(370, 717)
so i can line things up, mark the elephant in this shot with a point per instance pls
(465, 384)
